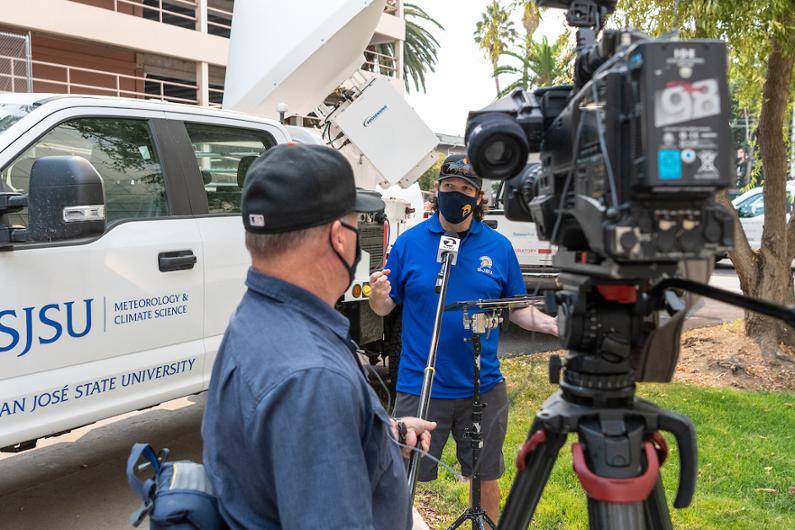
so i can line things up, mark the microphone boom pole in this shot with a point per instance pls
(448, 253)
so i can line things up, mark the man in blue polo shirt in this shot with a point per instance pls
(486, 267)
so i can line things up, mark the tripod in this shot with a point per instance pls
(479, 323)
(607, 325)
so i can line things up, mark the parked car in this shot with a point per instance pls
(750, 208)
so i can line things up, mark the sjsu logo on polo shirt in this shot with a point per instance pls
(485, 265)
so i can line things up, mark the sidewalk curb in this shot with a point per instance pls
(419, 523)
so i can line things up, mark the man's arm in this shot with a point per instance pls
(309, 432)
(532, 319)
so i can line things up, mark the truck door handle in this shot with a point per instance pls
(179, 260)
(491, 222)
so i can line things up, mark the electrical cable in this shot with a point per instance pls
(603, 147)
(567, 183)
(452, 471)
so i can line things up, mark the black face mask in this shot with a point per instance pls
(454, 206)
(350, 268)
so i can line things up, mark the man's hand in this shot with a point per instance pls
(416, 429)
(379, 300)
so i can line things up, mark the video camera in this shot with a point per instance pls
(631, 155)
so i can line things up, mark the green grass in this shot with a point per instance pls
(746, 443)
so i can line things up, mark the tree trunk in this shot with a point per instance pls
(496, 80)
(771, 278)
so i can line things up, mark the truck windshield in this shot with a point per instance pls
(10, 113)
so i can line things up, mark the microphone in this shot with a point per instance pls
(446, 255)
(448, 244)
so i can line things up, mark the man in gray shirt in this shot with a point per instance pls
(294, 437)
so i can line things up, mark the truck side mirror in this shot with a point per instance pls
(66, 199)
(11, 203)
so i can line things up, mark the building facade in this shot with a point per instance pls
(173, 50)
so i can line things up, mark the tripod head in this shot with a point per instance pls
(491, 314)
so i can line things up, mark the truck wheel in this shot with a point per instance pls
(393, 325)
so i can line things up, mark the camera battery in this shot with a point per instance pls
(684, 102)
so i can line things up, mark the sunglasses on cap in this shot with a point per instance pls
(458, 167)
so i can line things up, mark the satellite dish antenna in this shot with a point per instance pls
(295, 53)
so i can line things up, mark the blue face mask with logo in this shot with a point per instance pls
(454, 206)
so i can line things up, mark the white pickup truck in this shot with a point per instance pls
(534, 255)
(119, 276)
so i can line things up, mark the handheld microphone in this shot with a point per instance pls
(448, 244)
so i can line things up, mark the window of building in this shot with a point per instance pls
(121, 150)
(224, 155)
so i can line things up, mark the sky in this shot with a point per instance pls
(462, 80)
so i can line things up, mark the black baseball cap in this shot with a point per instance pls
(293, 186)
(459, 166)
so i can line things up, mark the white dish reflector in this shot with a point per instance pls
(295, 52)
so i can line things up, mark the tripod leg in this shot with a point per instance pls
(615, 516)
(489, 522)
(530, 482)
(458, 522)
(656, 509)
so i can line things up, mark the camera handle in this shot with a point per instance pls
(784, 313)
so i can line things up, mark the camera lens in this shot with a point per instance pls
(497, 146)
(498, 152)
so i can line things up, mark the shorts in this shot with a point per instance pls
(453, 416)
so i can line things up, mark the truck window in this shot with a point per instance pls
(122, 152)
(224, 155)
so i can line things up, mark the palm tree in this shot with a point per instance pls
(531, 16)
(550, 62)
(419, 49)
(538, 64)
(520, 72)
(493, 33)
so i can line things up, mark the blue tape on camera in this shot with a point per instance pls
(669, 164)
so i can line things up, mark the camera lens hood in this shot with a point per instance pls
(497, 146)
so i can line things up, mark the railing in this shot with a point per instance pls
(220, 19)
(219, 92)
(182, 13)
(65, 79)
(379, 63)
(170, 9)
(59, 78)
